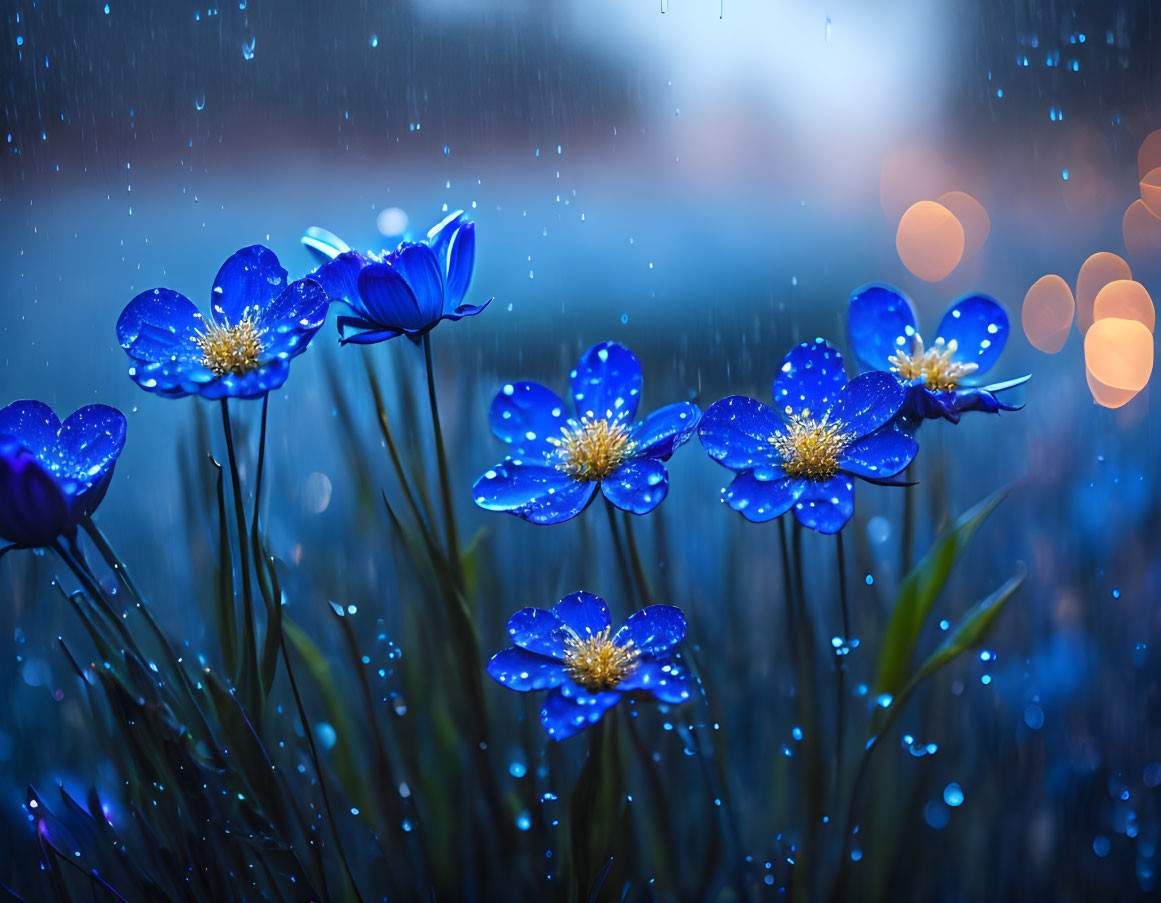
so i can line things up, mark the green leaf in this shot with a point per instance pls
(920, 589)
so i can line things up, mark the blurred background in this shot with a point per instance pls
(705, 181)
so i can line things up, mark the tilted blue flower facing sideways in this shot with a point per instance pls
(559, 461)
(257, 324)
(804, 453)
(407, 291)
(940, 379)
(571, 651)
(54, 474)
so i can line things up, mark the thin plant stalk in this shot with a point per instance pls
(907, 539)
(622, 561)
(840, 666)
(643, 587)
(453, 545)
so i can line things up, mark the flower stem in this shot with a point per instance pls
(622, 561)
(453, 546)
(643, 587)
(322, 784)
(907, 540)
(840, 669)
(813, 778)
(249, 649)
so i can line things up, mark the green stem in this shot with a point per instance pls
(643, 587)
(907, 541)
(249, 649)
(840, 667)
(812, 741)
(622, 561)
(72, 557)
(453, 545)
(322, 784)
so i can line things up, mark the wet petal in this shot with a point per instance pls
(524, 671)
(387, 300)
(439, 236)
(666, 429)
(461, 259)
(248, 281)
(534, 491)
(33, 509)
(810, 379)
(584, 613)
(979, 326)
(667, 681)
(526, 415)
(607, 382)
(880, 455)
(637, 486)
(340, 278)
(762, 500)
(292, 319)
(736, 433)
(367, 333)
(868, 402)
(539, 630)
(826, 506)
(90, 442)
(982, 399)
(466, 310)
(880, 322)
(418, 265)
(655, 630)
(562, 717)
(160, 325)
(33, 424)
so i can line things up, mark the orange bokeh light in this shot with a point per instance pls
(1047, 313)
(1142, 232)
(1119, 353)
(1096, 272)
(972, 216)
(1149, 155)
(1151, 189)
(930, 240)
(1104, 395)
(1126, 299)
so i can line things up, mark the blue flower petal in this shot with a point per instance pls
(880, 455)
(583, 613)
(439, 236)
(982, 399)
(270, 376)
(526, 415)
(418, 265)
(340, 279)
(460, 260)
(736, 433)
(880, 322)
(248, 281)
(159, 325)
(33, 424)
(810, 378)
(637, 486)
(979, 326)
(655, 630)
(667, 681)
(33, 509)
(292, 319)
(370, 332)
(539, 630)
(666, 429)
(466, 310)
(88, 446)
(826, 506)
(563, 717)
(868, 402)
(525, 671)
(607, 382)
(388, 301)
(536, 492)
(763, 500)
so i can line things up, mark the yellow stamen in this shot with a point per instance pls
(597, 663)
(594, 449)
(810, 448)
(231, 349)
(934, 365)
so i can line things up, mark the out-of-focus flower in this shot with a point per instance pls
(53, 474)
(572, 651)
(257, 324)
(942, 379)
(407, 291)
(559, 461)
(804, 453)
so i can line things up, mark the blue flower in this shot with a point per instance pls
(560, 461)
(825, 432)
(571, 651)
(408, 291)
(257, 324)
(940, 379)
(54, 474)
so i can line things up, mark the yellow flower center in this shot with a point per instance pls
(594, 449)
(597, 663)
(231, 349)
(810, 448)
(935, 364)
